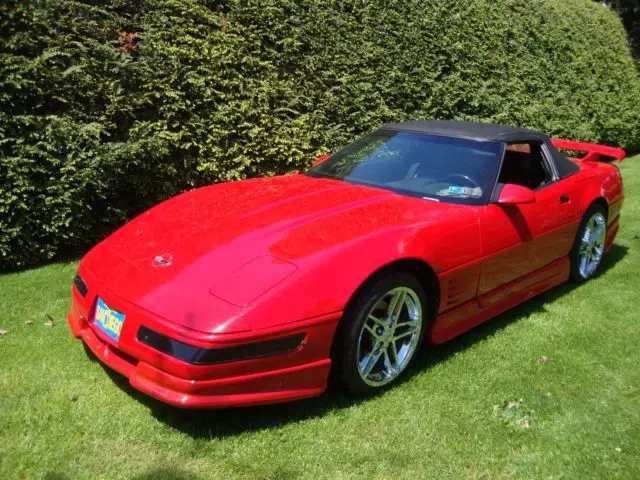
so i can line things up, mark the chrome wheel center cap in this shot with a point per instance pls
(386, 336)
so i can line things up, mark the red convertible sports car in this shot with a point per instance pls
(252, 292)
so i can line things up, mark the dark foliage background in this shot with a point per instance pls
(629, 11)
(109, 107)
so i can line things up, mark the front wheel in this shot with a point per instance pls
(380, 333)
(588, 247)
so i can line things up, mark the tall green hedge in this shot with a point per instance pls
(109, 107)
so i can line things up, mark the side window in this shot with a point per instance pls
(525, 165)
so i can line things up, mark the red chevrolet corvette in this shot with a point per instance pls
(251, 292)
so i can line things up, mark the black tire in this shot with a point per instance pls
(346, 344)
(577, 274)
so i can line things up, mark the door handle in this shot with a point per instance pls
(564, 198)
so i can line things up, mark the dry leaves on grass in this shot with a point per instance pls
(3, 333)
(543, 359)
(511, 412)
(49, 321)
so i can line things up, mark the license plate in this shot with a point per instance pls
(108, 320)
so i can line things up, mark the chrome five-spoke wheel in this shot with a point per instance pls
(389, 336)
(588, 248)
(380, 332)
(592, 245)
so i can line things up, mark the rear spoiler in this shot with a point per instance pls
(593, 151)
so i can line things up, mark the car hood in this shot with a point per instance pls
(200, 258)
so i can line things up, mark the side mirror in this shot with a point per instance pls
(512, 194)
(320, 159)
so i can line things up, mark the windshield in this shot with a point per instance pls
(433, 167)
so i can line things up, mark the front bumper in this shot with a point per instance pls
(278, 378)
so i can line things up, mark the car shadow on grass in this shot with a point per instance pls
(162, 473)
(210, 424)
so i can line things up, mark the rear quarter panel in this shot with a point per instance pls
(600, 180)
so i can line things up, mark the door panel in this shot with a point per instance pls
(518, 239)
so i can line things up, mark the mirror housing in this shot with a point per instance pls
(320, 159)
(512, 194)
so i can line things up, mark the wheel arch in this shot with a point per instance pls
(600, 201)
(419, 268)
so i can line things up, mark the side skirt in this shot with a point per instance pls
(474, 312)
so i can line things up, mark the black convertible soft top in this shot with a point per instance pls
(487, 132)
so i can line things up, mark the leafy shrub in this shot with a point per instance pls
(109, 107)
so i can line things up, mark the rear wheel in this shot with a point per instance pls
(380, 333)
(588, 247)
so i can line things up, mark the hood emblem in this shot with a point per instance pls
(162, 260)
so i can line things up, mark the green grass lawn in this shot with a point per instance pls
(483, 406)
